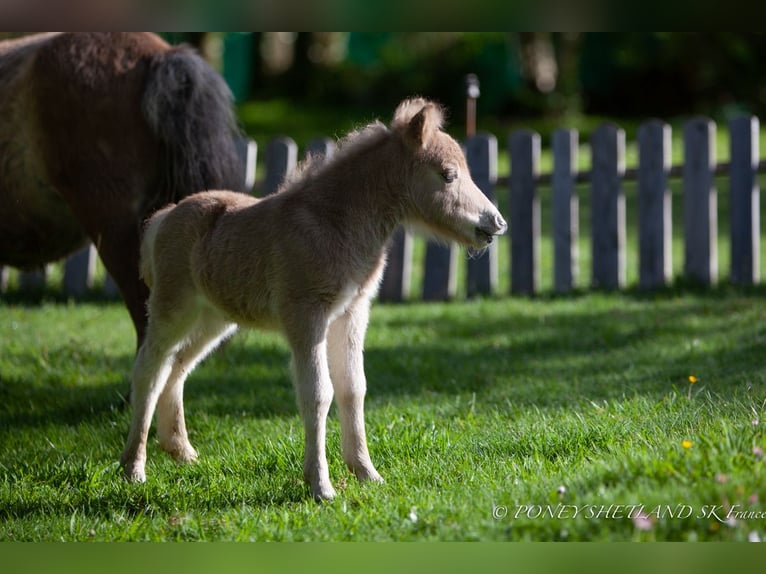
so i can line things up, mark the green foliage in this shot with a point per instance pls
(528, 409)
(540, 75)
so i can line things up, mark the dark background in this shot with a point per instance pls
(522, 75)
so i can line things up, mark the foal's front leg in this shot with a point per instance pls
(314, 390)
(345, 342)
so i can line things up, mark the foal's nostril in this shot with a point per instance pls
(500, 224)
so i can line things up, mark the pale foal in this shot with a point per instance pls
(306, 261)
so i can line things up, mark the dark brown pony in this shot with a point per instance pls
(97, 131)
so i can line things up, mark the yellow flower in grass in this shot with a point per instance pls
(692, 380)
(687, 444)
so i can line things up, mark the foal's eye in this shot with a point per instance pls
(449, 175)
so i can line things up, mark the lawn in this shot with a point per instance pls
(569, 418)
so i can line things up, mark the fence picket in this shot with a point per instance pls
(33, 279)
(111, 289)
(324, 147)
(481, 153)
(608, 207)
(700, 202)
(744, 208)
(395, 285)
(565, 209)
(247, 150)
(78, 272)
(524, 146)
(440, 270)
(654, 205)
(440, 273)
(281, 157)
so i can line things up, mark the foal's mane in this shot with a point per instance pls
(351, 144)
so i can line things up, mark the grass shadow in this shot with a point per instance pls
(502, 354)
(600, 354)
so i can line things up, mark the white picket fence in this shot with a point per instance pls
(606, 177)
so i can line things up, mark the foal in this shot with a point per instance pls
(306, 261)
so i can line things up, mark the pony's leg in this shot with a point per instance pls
(314, 390)
(118, 246)
(345, 342)
(171, 425)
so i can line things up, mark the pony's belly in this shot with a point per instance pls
(36, 227)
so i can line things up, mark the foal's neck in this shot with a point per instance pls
(361, 194)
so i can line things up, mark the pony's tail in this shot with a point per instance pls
(189, 107)
(148, 239)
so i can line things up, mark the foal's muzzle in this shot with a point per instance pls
(491, 225)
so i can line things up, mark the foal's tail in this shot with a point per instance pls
(146, 266)
(189, 107)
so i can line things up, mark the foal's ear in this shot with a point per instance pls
(418, 128)
(424, 125)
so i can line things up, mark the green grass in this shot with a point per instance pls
(472, 407)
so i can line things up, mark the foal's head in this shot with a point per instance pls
(442, 196)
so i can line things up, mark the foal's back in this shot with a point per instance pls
(208, 253)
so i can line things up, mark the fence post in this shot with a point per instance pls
(440, 270)
(281, 157)
(481, 153)
(321, 147)
(440, 273)
(608, 207)
(654, 205)
(78, 271)
(395, 286)
(524, 146)
(247, 150)
(700, 202)
(565, 209)
(744, 201)
(111, 290)
(33, 279)
(3, 279)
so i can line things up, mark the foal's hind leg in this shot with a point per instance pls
(171, 425)
(150, 373)
(345, 341)
(165, 334)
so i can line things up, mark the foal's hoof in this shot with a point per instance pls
(372, 477)
(181, 453)
(186, 456)
(367, 475)
(133, 473)
(133, 468)
(324, 493)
